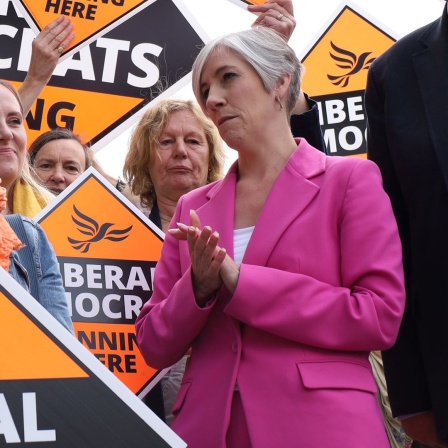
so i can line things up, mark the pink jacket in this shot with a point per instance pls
(320, 286)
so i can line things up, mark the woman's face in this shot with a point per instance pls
(12, 138)
(59, 162)
(235, 98)
(180, 163)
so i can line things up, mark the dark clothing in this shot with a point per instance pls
(154, 216)
(407, 110)
(307, 126)
(416, 444)
(154, 401)
(154, 398)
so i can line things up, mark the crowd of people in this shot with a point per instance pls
(285, 283)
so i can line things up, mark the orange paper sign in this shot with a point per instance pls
(336, 74)
(107, 252)
(53, 391)
(91, 18)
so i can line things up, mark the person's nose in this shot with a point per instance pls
(215, 99)
(57, 175)
(5, 131)
(180, 149)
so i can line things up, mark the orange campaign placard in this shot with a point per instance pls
(63, 107)
(54, 392)
(101, 87)
(336, 74)
(25, 358)
(107, 252)
(91, 18)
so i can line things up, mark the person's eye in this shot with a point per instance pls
(165, 142)
(16, 121)
(44, 166)
(72, 169)
(205, 93)
(228, 76)
(193, 141)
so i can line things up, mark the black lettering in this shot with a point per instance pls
(126, 341)
(66, 7)
(121, 336)
(78, 8)
(129, 363)
(34, 122)
(84, 339)
(70, 8)
(91, 11)
(115, 363)
(104, 341)
(132, 341)
(66, 120)
(51, 5)
(114, 2)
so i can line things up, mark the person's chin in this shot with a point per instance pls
(55, 191)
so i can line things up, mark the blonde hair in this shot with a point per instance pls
(145, 141)
(43, 195)
(25, 176)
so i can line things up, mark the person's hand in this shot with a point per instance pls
(230, 273)
(269, 14)
(48, 46)
(422, 428)
(46, 50)
(209, 262)
(275, 14)
(206, 259)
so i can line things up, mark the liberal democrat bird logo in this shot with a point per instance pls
(348, 61)
(88, 226)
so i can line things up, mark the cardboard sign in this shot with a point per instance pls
(336, 75)
(104, 88)
(107, 252)
(245, 3)
(91, 19)
(55, 393)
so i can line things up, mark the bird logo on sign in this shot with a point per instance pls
(348, 61)
(96, 232)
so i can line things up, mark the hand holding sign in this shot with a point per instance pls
(46, 49)
(275, 14)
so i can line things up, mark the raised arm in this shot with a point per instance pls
(46, 49)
